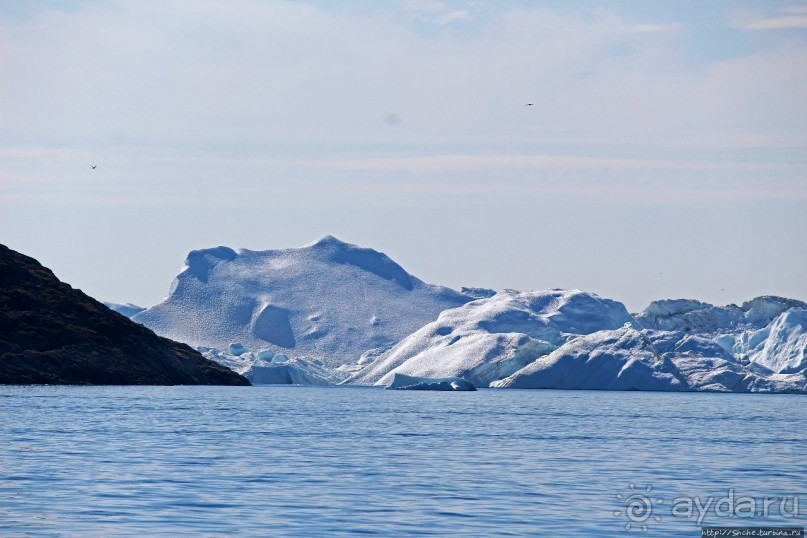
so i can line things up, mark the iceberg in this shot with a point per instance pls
(127, 309)
(570, 339)
(335, 313)
(688, 315)
(288, 372)
(630, 359)
(478, 293)
(236, 349)
(406, 382)
(623, 359)
(265, 367)
(490, 338)
(693, 316)
(785, 348)
(328, 300)
(762, 310)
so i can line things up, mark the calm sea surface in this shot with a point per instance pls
(300, 461)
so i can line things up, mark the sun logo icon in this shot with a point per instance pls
(638, 507)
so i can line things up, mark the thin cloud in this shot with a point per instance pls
(601, 193)
(443, 163)
(278, 71)
(794, 17)
(654, 28)
(158, 180)
(460, 15)
(436, 12)
(776, 23)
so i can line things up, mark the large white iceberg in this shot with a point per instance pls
(328, 300)
(491, 338)
(629, 359)
(623, 359)
(569, 339)
(333, 313)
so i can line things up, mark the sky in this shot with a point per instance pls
(664, 154)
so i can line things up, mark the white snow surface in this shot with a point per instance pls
(329, 300)
(491, 338)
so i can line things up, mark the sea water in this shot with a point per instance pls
(308, 461)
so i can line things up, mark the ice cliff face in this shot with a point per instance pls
(692, 316)
(329, 300)
(763, 310)
(445, 384)
(781, 346)
(689, 316)
(768, 331)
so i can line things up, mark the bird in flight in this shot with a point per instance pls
(529, 104)
(93, 166)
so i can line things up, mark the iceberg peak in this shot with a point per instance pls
(199, 262)
(366, 259)
(768, 307)
(328, 241)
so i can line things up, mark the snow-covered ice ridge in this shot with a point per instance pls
(328, 300)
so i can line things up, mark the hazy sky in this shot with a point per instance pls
(665, 137)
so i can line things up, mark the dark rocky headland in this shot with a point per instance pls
(51, 333)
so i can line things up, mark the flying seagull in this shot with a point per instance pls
(93, 166)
